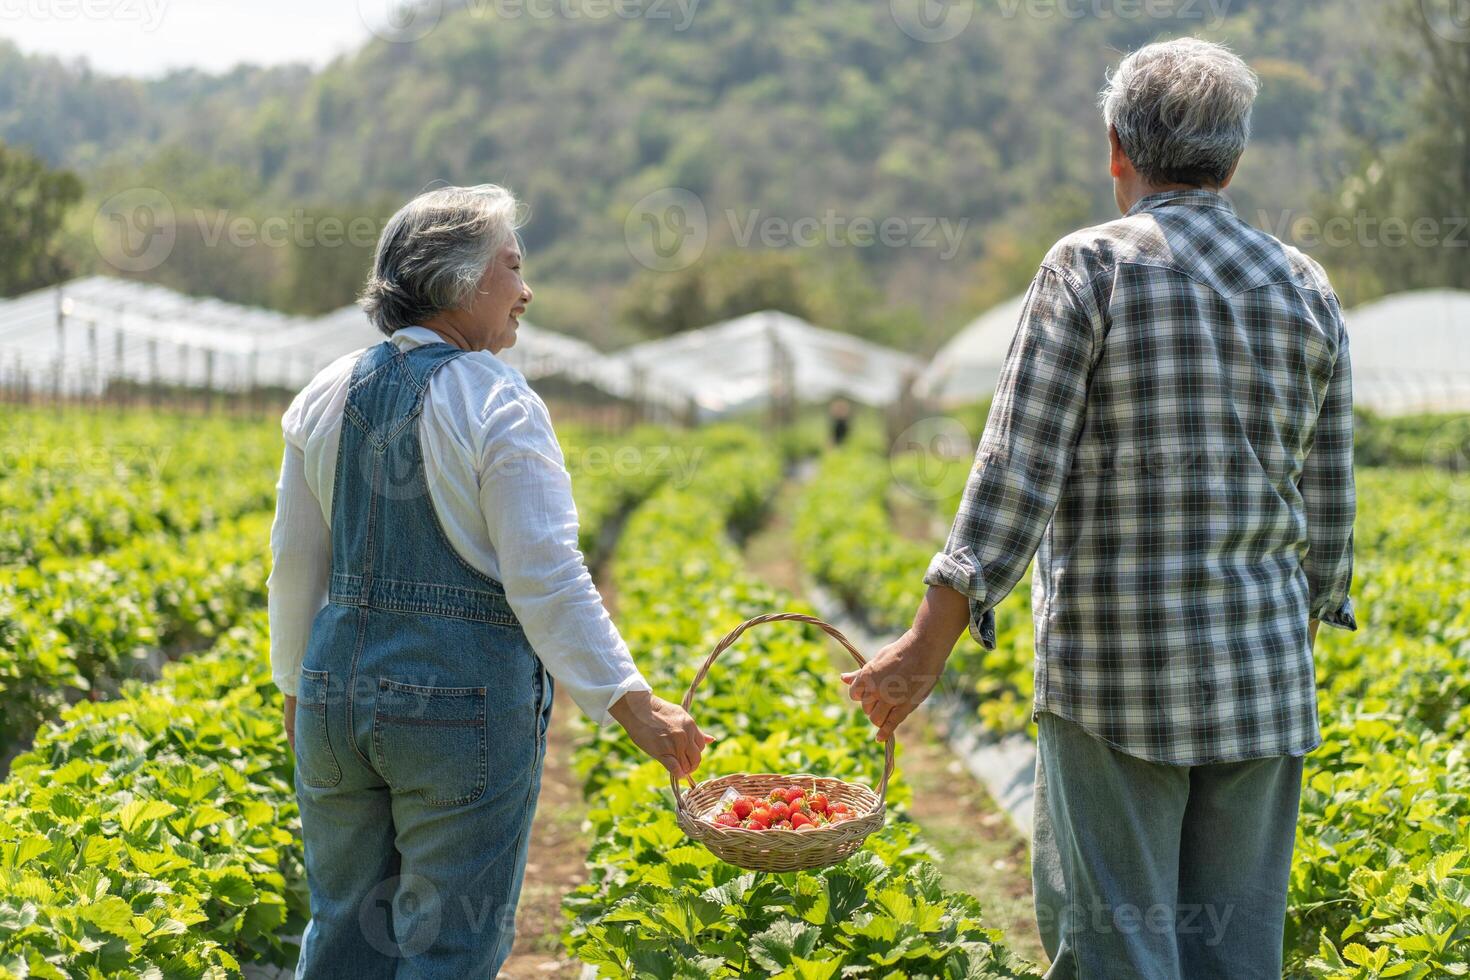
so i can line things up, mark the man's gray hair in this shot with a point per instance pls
(1182, 110)
(433, 252)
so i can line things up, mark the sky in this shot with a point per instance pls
(146, 38)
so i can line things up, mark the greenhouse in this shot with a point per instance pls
(743, 363)
(79, 339)
(1410, 353)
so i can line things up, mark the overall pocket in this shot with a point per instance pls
(431, 741)
(315, 759)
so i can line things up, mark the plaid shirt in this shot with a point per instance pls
(1171, 437)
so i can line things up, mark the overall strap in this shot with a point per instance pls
(389, 550)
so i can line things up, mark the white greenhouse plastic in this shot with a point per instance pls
(1410, 352)
(735, 365)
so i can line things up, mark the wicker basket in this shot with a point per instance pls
(780, 850)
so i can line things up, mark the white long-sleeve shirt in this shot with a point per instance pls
(500, 488)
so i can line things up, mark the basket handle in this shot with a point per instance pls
(729, 640)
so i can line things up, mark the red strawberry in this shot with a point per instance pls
(792, 794)
(727, 820)
(762, 815)
(817, 802)
(807, 826)
(781, 825)
(780, 811)
(742, 807)
(777, 795)
(799, 819)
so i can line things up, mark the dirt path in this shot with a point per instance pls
(556, 862)
(980, 852)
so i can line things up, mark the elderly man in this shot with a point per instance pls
(1172, 438)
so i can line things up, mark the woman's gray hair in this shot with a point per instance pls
(433, 252)
(1182, 110)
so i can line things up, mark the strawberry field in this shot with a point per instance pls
(148, 825)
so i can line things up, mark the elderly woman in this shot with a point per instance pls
(426, 590)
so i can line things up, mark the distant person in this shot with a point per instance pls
(1172, 438)
(838, 413)
(426, 590)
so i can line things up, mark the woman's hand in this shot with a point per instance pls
(291, 721)
(663, 730)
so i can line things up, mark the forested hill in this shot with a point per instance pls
(762, 109)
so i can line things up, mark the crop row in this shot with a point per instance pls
(156, 834)
(1378, 885)
(72, 624)
(657, 905)
(82, 484)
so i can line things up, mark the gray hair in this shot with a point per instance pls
(1182, 110)
(433, 252)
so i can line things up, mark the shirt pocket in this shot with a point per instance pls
(315, 760)
(431, 741)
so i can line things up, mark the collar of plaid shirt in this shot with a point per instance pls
(1195, 196)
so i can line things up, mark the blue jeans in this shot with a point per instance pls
(1148, 871)
(421, 718)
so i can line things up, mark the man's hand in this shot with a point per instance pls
(291, 722)
(663, 730)
(897, 680)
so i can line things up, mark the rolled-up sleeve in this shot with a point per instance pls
(1329, 496)
(301, 566)
(1025, 453)
(526, 496)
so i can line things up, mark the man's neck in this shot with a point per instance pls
(1139, 190)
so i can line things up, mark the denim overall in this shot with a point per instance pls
(420, 718)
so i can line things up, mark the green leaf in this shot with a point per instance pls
(777, 947)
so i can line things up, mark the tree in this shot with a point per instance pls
(33, 203)
(1402, 220)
